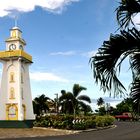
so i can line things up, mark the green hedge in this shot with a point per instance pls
(68, 122)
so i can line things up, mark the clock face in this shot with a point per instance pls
(12, 47)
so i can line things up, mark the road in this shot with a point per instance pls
(123, 131)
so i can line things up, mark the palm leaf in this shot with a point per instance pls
(84, 107)
(135, 95)
(77, 89)
(107, 62)
(84, 98)
(126, 10)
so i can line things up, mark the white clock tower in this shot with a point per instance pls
(16, 108)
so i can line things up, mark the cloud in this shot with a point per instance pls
(89, 54)
(68, 53)
(112, 101)
(13, 7)
(45, 76)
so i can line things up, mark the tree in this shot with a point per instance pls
(125, 106)
(65, 101)
(102, 111)
(72, 102)
(106, 64)
(100, 101)
(40, 104)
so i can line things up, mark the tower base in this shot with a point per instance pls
(16, 124)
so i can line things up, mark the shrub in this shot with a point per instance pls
(100, 121)
(90, 123)
(79, 126)
(68, 122)
(109, 120)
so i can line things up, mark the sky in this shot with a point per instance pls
(61, 36)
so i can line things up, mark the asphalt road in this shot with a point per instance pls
(123, 131)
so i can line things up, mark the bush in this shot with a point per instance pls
(90, 123)
(68, 122)
(79, 126)
(109, 120)
(100, 121)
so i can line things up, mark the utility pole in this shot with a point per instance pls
(56, 103)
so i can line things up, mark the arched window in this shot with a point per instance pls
(12, 77)
(11, 112)
(12, 93)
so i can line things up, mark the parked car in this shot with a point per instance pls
(125, 116)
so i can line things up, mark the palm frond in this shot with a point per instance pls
(135, 95)
(84, 98)
(135, 63)
(84, 107)
(108, 59)
(125, 12)
(77, 89)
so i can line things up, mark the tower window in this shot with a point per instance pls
(12, 93)
(13, 33)
(12, 77)
(21, 47)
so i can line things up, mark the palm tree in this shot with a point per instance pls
(72, 101)
(78, 100)
(40, 104)
(65, 101)
(126, 11)
(100, 101)
(106, 64)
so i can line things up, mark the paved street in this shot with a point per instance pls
(123, 131)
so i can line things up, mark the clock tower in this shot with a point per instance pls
(16, 108)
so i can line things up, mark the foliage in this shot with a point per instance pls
(102, 121)
(100, 101)
(135, 95)
(72, 102)
(69, 122)
(40, 104)
(106, 64)
(102, 110)
(126, 11)
(125, 106)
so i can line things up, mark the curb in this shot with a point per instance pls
(97, 129)
(77, 131)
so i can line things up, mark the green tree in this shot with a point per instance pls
(125, 106)
(72, 102)
(40, 104)
(106, 64)
(65, 101)
(102, 110)
(100, 101)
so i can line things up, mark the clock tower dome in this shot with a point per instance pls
(16, 108)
